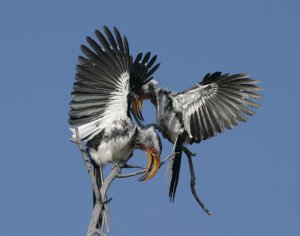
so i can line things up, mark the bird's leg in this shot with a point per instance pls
(168, 158)
(188, 152)
(174, 148)
(118, 166)
(193, 183)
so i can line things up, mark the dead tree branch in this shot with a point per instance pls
(193, 183)
(115, 173)
(88, 165)
(98, 206)
(99, 193)
(190, 156)
(131, 174)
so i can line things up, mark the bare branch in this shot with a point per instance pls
(99, 232)
(143, 169)
(116, 169)
(131, 174)
(115, 173)
(193, 183)
(98, 206)
(94, 219)
(109, 179)
(127, 166)
(88, 166)
(189, 155)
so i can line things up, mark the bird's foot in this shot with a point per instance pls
(188, 152)
(168, 158)
(117, 165)
(107, 200)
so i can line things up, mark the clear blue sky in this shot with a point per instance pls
(249, 177)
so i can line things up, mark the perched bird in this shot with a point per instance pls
(106, 81)
(202, 111)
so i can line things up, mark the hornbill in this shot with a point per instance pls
(106, 81)
(198, 113)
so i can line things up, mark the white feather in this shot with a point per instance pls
(116, 109)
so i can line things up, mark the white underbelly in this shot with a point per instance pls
(171, 125)
(114, 150)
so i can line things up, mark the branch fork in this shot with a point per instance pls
(100, 194)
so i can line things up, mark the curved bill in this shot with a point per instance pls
(152, 167)
(137, 105)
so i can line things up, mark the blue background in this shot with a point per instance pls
(249, 176)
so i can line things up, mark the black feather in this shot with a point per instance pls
(146, 58)
(99, 183)
(119, 39)
(151, 62)
(141, 71)
(176, 167)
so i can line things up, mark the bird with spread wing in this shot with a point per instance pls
(110, 85)
(106, 81)
(200, 112)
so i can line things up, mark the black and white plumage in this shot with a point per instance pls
(219, 102)
(106, 81)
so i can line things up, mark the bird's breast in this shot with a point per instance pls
(168, 118)
(115, 144)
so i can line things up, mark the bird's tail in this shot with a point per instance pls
(104, 218)
(173, 168)
(98, 181)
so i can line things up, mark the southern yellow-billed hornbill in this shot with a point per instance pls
(106, 81)
(202, 111)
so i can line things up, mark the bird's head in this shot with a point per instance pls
(149, 141)
(147, 91)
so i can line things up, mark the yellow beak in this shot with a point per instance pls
(152, 167)
(137, 105)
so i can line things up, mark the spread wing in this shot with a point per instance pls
(142, 70)
(219, 101)
(105, 79)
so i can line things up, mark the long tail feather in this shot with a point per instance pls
(98, 176)
(174, 164)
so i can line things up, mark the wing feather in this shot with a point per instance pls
(142, 69)
(102, 84)
(219, 101)
(106, 81)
